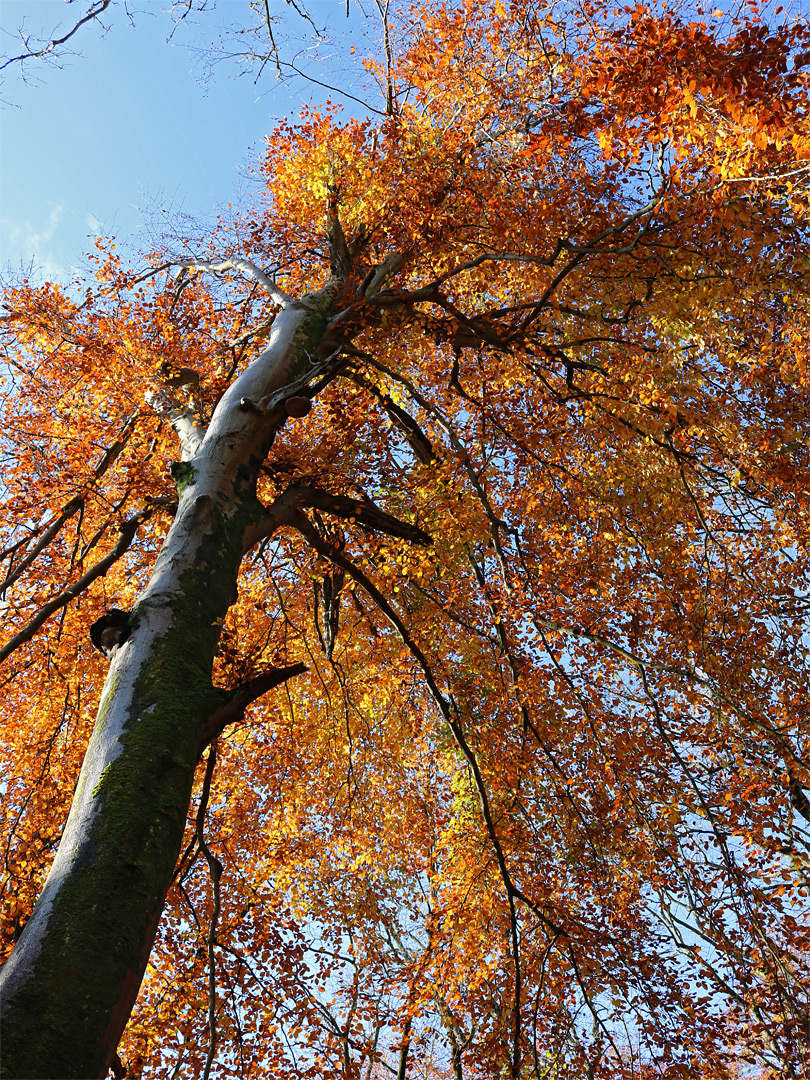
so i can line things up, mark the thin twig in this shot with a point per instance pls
(215, 870)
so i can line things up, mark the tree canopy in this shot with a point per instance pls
(456, 484)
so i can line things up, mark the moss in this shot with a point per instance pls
(100, 930)
(184, 474)
(309, 335)
(100, 925)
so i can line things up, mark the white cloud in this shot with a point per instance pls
(94, 224)
(23, 234)
(24, 242)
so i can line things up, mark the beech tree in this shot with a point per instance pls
(456, 491)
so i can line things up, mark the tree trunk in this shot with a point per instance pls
(69, 986)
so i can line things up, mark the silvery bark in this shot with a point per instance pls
(68, 988)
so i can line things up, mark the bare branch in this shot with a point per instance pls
(95, 10)
(329, 86)
(382, 8)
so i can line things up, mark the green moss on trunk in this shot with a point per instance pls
(105, 915)
(65, 1017)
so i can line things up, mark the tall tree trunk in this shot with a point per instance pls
(69, 986)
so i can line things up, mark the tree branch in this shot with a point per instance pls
(98, 8)
(127, 533)
(70, 508)
(189, 433)
(244, 266)
(233, 708)
(215, 870)
(305, 527)
(362, 512)
(402, 421)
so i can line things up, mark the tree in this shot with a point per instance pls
(456, 490)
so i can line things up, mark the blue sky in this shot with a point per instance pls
(128, 126)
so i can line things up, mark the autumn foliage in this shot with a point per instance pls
(537, 807)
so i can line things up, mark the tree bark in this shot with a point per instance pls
(67, 990)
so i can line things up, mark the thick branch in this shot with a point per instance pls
(402, 421)
(339, 257)
(244, 266)
(189, 433)
(234, 707)
(326, 368)
(382, 273)
(53, 529)
(798, 796)
(362, 512)
(215, 870)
